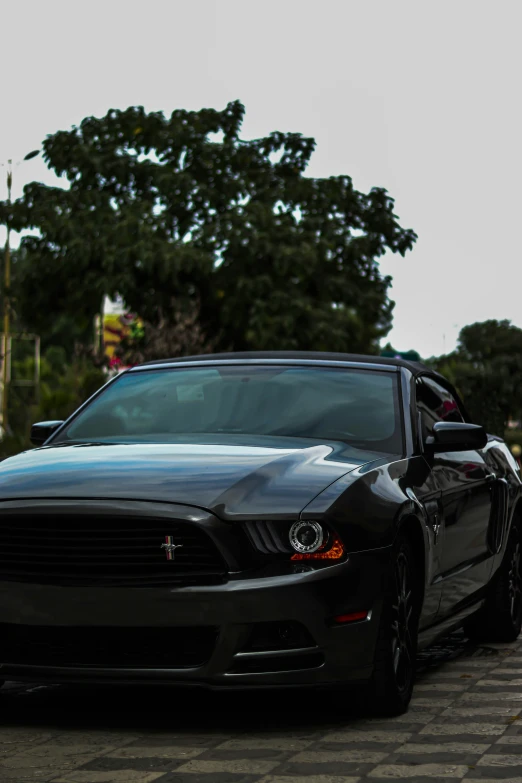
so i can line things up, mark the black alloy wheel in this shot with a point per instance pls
(391, 685)
(500, 620)
(401, 626)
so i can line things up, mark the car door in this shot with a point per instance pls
(466, 482)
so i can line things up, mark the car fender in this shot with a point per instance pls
(367, 506)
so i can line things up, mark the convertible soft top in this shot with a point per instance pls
(415, 368)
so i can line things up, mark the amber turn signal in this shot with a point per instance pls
(334, 552)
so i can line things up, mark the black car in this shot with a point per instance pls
(260, 519)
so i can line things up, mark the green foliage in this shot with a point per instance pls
(488, 340)
(176, 212)
(64, 386)
(58, 328)
(486, 369)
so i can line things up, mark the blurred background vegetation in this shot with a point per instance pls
(65, 383)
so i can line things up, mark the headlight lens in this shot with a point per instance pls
(306, 537)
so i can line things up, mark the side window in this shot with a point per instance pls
(435, 403)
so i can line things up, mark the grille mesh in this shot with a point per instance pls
(104, 550)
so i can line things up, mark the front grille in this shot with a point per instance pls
(108, 550)
(106, 646)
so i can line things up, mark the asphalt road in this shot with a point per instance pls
(463, 724)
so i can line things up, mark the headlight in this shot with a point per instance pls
(306, 537)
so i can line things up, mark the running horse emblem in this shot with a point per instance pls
(170, 547)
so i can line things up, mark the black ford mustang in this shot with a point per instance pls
(257, 520)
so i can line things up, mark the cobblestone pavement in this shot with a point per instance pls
(463, 724)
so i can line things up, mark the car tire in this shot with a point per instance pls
(391, 686)
(500, 620)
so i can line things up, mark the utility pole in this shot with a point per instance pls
(7, 284)
(7, 298)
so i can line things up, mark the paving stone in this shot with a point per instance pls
(309, 771)
(30, 774)
(252, 766)
(333, 748)
(493, 686)
(375, 736)
(499, 680)
(434, 700)
(510, 739)
(24, 736)
(474, 663)
(307, 779)
(468, 711)
(272, 743)
(97, 738)
(499, 760)
(353, 756)
(146, 751)
(438, 757)
(449, 729)
(48, 756)
(111, 764)
(161, 739)
(122, 776)
(407, 722)
(211, 777)
(250, 754)
(446, 747)
(502, 697)
(413, 778)
(463, 739)
(429, 771)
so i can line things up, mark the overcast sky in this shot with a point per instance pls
(422, 98)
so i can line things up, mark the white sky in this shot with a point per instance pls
(420, 97)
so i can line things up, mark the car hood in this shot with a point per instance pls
(228, 480)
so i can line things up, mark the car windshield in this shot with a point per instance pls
(358, 407)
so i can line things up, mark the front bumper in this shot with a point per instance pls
(335, 653)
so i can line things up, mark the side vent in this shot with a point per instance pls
(499, 516)
(269, 538)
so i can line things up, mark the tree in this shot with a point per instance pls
(56, 326)
(174, 212)
(488, 340)
(486, 368)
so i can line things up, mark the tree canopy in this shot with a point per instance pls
(487, 370)
(181, 216)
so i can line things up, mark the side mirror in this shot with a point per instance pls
(456, 436)
(42, 431)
